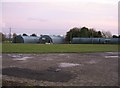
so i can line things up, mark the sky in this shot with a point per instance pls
(58, 16)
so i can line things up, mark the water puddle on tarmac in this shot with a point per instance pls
(63, 65)
(15, 55)
(21, 59)
(110, 52)
(111, 56)
(44, 75)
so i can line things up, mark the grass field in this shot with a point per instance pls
(58, 48)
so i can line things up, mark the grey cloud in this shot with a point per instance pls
(37, 19)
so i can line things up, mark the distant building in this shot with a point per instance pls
(51, 39)
(95, 40)
(26, 39)
(43, 39)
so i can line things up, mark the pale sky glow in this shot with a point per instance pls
(58, 16)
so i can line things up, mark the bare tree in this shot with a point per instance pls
(33, 34)
(106, 34)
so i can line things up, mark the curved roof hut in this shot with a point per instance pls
(81, 40)
(95, 41)
(109, 40)
(26, 39)
(51, 39)
(115, 40)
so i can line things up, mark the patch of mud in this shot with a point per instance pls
(63, 65)
(45, 75)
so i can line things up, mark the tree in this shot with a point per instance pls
(14, 35)
(99, 34)
(82, 32)
(25, 34)
(74, 32)
(33, 35)
(107, 34)
(114, 36)
(2, 37)
(92, 33)
(119, 36)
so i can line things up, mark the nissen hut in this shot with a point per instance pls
(26, 39)
(51, 39)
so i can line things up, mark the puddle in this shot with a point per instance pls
(21, 59)
(68, 65)
(110, 52)
(44, 75)
(111, 56)
(15, 55)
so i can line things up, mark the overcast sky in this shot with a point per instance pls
(58, 16)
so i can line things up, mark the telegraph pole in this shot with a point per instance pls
(9, 34)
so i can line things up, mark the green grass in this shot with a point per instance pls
(58, 48)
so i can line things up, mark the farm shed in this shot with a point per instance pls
(51, 39)
(26, 39)
(105, 40)
(95, 41)
(81, 41)
(115, 41)
(109, 40)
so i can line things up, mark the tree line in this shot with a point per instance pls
(83, 32)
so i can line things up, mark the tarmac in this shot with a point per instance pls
(60, 69)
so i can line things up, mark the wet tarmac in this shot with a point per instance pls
(47, 75)
(71, 69)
